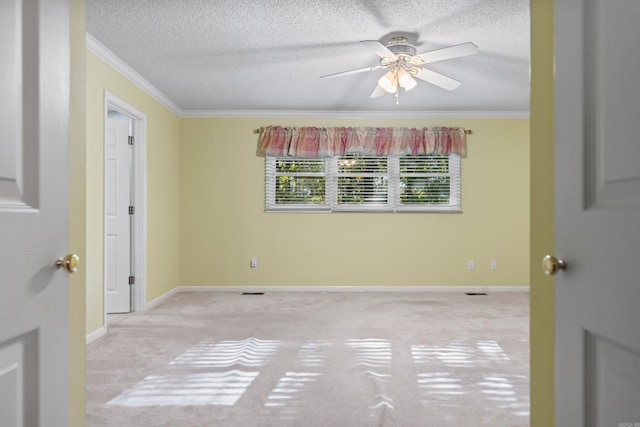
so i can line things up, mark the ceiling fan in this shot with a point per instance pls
(403, 64)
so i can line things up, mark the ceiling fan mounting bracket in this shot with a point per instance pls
(401, 46)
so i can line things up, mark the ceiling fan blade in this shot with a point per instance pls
(377, 92)
(359, 70)
(450, 52)
(437, 79)
(379, 48)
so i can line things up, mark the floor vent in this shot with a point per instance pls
(252, 293)
(475, 293)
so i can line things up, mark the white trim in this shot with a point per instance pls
(240, 289)
(111, 102)
(356, 114)
(163, 298)
(93, 336)
(111, 59)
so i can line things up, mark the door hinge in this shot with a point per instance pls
(132, 140)
(132, 280)
(132, 210)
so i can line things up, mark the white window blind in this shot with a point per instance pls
(362, 183)
(429, 183)
(296, 184)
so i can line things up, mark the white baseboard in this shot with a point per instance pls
(162, 298)
(462, 289)
(95, 335)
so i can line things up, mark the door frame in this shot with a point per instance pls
(139, 232)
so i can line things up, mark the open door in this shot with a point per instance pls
(118, 213)
(34, 209)
(125, 186)
(597, 224)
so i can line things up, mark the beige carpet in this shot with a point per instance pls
(315, 359)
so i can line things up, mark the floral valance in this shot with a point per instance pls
(313, 142)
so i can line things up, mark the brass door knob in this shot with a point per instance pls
(551, 265)
(69, 263)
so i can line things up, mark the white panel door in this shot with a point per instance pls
(34, 208)
(597, 225)
(117, 185)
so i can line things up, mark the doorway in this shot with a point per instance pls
(124, 207)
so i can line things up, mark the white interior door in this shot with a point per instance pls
(34, 207)
(597, 225)
(117, 177)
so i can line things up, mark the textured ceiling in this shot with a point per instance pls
(241, 55)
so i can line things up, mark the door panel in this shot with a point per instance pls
(613, 381)
(117, 219)
(597, 202)
(11, 384)
(612, 102)
(34, 205)
(112, 265)
(18, 381)
(18, 162)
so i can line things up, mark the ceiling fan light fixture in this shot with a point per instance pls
(406, 81)
(389, 82)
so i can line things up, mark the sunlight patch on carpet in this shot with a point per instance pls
(204, 388)
(250, 352)
(459, 354)
(210, 388)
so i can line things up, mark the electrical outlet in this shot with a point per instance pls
(470, 265)
(254, 264)
(494, 265)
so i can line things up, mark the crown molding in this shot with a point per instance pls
(111, 59)
(355, 114)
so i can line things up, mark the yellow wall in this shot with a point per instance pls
(542, 143)
(223, 223)
(217, 240)
(77, 214)
(163, 180)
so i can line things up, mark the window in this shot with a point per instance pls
(296, 183)
(428, 183)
